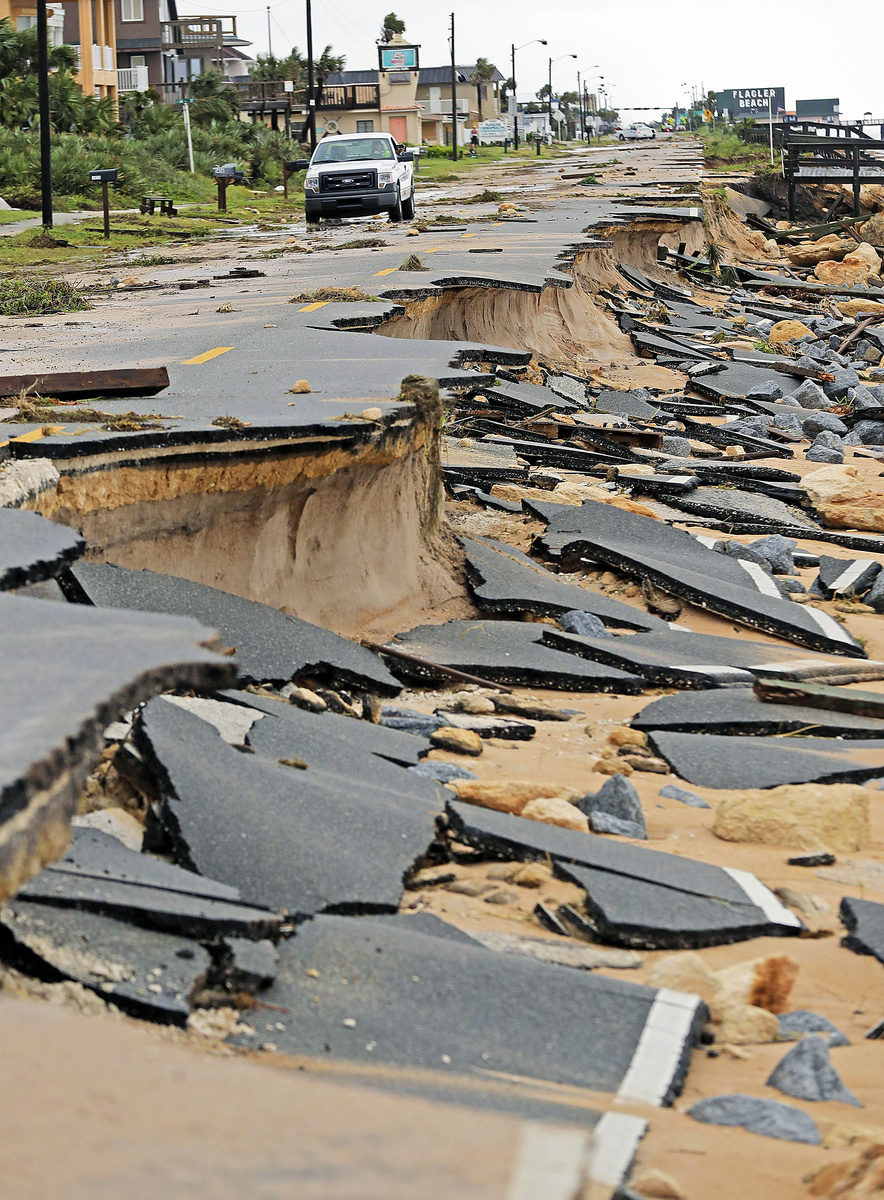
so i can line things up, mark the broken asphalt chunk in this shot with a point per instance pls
(795, 1025)
(865, 924)
(300, 841)
(270, 645)
(806, 1073)
(68, 672)
(146, 972)
(509, 652)
(33, 548)
(635, 897)
(741, 711)
(679, 564)
(418, 999)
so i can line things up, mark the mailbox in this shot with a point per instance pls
(228, 171)
(106, 176)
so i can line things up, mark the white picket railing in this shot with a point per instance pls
(132, 79)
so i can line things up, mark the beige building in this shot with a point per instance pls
(97, 37)
(411, 102)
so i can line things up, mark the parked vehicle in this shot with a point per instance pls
(353, 174)
(638, 132)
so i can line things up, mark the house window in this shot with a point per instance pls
(365, 126)
(137, 60)
(133, 10)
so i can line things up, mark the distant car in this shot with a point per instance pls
(635, 133)
(352, 175)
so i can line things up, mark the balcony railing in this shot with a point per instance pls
(132, 79)
(343, 97)
(442, 108)
(195, 32)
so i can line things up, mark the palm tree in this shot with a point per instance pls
(482, 72)
(327, 64)
(391, 26)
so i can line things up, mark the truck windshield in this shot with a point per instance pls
(332, 149)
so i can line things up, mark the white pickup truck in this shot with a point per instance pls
(353, 174)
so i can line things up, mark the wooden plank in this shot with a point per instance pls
(810, 695)
(73, 385)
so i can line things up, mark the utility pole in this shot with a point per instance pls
(549, 99)
(580, 107)
(453, 96)
(311, 98)
(45, 129)
(515, 103)
(269, 39)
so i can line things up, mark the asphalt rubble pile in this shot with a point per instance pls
(256, 852)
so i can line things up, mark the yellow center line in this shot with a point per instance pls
(204, 358)
(313, 307)
(33, 436)
(467, 235)
(386, 271)
(435, 250)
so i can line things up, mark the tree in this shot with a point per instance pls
(482, 72)
(327, 64)
(292, 67)
(213, 99)
(391, 26)
(544, 92)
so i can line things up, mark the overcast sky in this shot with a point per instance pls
(646, 51)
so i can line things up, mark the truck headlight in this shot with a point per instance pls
(311, 183)
(385, 178)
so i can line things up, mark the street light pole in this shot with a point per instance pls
(549, 96)
(45, 128)
(453, 96)
(311, 97)
(542, 42)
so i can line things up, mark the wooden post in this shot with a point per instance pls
(222, 194)
(856, 181)
(285, 179)
(105, 198)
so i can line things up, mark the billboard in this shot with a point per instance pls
(398, 58)
(817, 108)
(751, 102)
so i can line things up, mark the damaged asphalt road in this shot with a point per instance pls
(467, 688)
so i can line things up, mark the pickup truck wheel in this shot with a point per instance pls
(396, 210)
(311, 215)
(408, 207)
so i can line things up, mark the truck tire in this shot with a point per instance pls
(396, 210)
(408, 207)
(311, 214)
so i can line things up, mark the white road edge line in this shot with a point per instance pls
(551, 1163)
(762, 897)
(660, 1047)
(614, 1146)
(828, 625)
(853, 572)
(760, 578)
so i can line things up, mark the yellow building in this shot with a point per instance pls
(91, 27)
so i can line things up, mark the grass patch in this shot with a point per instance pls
(589, 179)
(361, 244)
(30, 294)
(151, 260)
(331, 293)
(43, 410)
(413, 263)
(487, 197)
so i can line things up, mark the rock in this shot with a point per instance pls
(617, 797)
(508, 796)
(410, 721)
(765, 391)
(811, 860)
(671, 792)
(301, 388)
(808, 254)
(501, 897)
(848, 273)
(778, 551)
(624, 736)
(737, 550)
(769, 1118)
(820, 422)
(371, 414)
(772, 249)
(871, 433)
(860, 308)
(746, 1025)
(842, 501)
(554, 811)
(647, 762)
(829, 440)
(875, 594)
(806, 816)
(478, 705)
(824, 454)
(858, 1179)
(532, 709)
(584, 624)
(851, 1133)
(794, 1025)
(811, 395)
(845, 379)
(873, 232)
(612, 766)
(304, 698)
(532, 875)
(679, 446)
(685, 972)
(869, 255)
(656, 1185)
(457, 741)
(801, 902)
(806, 1073)
(443, 772)
(602, 822)
(469, 887)
(764, 983)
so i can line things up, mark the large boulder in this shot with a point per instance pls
(808, 254)
(848, 273)
(806, 816)
(811, 395)
(869, 254)
(842, 501)
(873, 230)
(787, 331)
